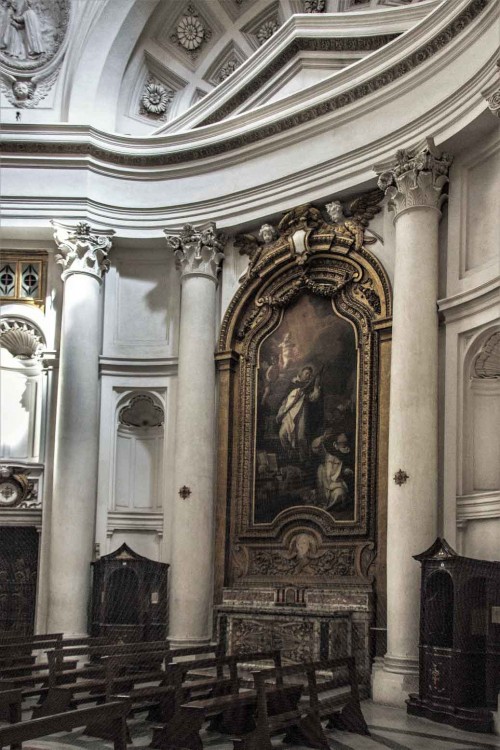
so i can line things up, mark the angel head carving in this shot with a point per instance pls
(267, 234)
(335, 211)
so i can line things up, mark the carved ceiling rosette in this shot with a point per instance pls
(32, 46)
(303, 330)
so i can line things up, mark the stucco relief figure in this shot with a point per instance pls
(21, 35)
(306, 392)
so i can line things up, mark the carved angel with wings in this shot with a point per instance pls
(353, 218)
(248, 244)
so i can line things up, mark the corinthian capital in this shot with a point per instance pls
(82, 249)
(198, 252)
(417, 179)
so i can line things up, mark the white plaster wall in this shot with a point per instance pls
(471, 312)
(482, 539)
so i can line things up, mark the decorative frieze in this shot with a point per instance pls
(198, 252)
(82, 249)
(417, 179)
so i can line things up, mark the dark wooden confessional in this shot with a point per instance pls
(459, 639)
(129, 597)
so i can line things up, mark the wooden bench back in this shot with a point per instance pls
(16, 734)
(177, 671)
(273, 655)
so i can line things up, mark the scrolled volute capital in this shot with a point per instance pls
(416, 180)
(82, 249)
(198, 252)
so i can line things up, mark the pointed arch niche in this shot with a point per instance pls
(303, 358)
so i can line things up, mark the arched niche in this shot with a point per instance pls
(22, 343)
(482, 413)
(140, 417)
(303, 367)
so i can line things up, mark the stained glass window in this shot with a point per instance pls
(8, 280)
(30, 279)
(22, 277)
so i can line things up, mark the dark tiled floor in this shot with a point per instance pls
(389, 727)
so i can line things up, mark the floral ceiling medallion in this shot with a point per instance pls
(32, 44)
(266, 31)
(155, 99)
(191, 33)
(314, 6)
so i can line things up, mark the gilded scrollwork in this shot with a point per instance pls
(311, 263)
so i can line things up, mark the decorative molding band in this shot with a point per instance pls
(465, 303)
(138, 367)
(478, 506)
(320, 109)
(350, 44)
(132, 521)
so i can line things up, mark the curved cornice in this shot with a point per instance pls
(333, 32)
(382, 75)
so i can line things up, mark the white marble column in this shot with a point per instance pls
(83, 256)
(199, 254)
(414, 188)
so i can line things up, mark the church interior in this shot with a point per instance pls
(250, 374)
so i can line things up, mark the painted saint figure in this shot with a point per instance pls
(334, 474)
(292, 415)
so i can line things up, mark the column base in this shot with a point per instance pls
(393, 679)
(187, 642)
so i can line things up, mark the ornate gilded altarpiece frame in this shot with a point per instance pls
(291, 555)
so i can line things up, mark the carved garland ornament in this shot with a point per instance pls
(314, 267)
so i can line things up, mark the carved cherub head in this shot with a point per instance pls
(335, 212)
(267, 233)
(21, 90)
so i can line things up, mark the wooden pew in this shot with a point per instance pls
(109, 718)
(114, 673)
(342, 708)
(336, 698)
(10, 703)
